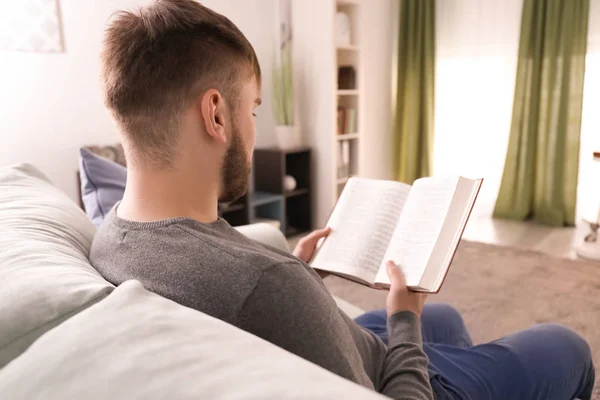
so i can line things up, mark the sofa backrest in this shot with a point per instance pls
(45, 275)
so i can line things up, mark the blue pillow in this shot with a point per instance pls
(102, 184)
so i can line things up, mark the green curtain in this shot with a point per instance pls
(541, 168)
(413, 127)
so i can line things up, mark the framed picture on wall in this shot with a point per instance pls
(31, 25)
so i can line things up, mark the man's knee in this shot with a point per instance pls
(564, 338)
(443, 312)
(375, 317)
(559, 339)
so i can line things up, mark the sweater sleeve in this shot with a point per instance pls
(292, 310)
(405, 374)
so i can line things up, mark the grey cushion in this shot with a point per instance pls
(102, 184)
(45, 276)
(138, 345)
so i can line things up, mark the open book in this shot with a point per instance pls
(418, 227)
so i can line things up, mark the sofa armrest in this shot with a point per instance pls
(265, 234)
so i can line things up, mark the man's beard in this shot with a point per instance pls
(235, 170)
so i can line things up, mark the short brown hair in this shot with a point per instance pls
(157, 60)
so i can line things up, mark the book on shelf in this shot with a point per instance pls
(346, 120)
(343, 160)
(419, 227)
(346, 154)
(341, 120)
(350, 120)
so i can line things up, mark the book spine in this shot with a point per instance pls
(342, 120)
(352, 120)
(346, 158)
(340, 161)
(348, 120)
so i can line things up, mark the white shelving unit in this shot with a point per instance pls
(317, 57)
(348, 149)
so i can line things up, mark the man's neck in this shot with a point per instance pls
(159, 195)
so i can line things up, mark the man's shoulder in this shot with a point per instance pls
(213, 271)
(230, 246)
(217, 245)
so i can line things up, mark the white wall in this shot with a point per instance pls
(379, 33)
(314, 74)
(51, 104)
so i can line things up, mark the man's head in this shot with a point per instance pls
(182, 83)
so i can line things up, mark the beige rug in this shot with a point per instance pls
(501, 289)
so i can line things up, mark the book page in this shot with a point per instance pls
(449, 239)
(362, 223)
(418, 228)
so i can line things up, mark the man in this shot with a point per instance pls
(182, 83)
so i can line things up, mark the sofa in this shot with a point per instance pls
(66, 333)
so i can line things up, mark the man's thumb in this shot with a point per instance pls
(395, 274)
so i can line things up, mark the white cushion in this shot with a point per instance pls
(266, 234)
(45, 276)
(138, 345)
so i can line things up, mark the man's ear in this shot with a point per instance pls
(212, 107)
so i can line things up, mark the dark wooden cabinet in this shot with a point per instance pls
(269, 200)
(236, 213)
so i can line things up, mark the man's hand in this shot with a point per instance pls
(306, 246)
(400, 298)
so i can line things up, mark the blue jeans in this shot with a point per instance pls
(546, 362)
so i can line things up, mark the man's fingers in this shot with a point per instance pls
(316, 235)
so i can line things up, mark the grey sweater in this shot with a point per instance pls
(269, 293)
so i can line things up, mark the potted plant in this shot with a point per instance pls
(286, 131)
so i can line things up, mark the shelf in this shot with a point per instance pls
(232, 208)
(296, 192)
(348, 47)
(348, 2)
(347, 136)
(261, 198)
(301, 149)
(347, 92)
